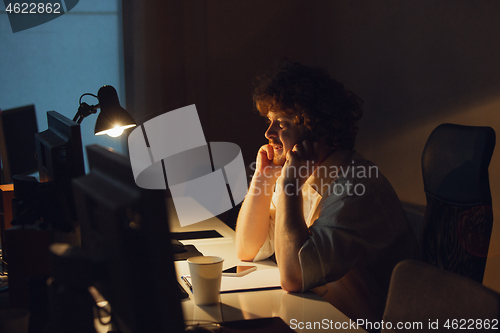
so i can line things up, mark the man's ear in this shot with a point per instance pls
(309, 136)
(322, 141)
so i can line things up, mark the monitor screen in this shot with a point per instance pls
(17, 142)
(60, 158)
(126, 228)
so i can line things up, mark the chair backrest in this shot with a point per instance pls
(458, 217)
(421, 293)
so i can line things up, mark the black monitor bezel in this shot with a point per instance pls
(18, 150)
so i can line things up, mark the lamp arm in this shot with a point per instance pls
(85, 110)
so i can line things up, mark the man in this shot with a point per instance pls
(334, 223)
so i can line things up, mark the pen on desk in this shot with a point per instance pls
(186, 281)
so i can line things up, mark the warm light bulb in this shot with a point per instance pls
(115, 132)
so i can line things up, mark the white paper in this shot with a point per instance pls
(259, 279)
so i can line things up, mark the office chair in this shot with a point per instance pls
(458, 217)
(421, 293)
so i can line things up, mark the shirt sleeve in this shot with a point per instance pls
(351, 229)
(323, 247)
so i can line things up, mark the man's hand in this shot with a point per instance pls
(265, 167)
(300, 163)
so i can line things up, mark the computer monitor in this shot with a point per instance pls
(126, 228)
(17, 142)
(59, 149)
(60, 159)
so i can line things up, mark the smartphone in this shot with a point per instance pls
(238, 270)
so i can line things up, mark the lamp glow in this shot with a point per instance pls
(115, 131)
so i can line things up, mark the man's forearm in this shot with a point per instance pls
(291, 234)
(252, 225)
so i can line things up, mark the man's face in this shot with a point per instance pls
(283, 134)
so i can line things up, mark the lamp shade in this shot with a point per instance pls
(112, 119)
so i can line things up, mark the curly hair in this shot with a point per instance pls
(319, 102)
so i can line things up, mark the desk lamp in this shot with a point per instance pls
(112, 120)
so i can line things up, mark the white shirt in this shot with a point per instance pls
(358, 232)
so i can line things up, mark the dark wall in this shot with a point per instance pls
(415, 63)
(245, 38)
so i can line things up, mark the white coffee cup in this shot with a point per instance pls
(206, 274)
